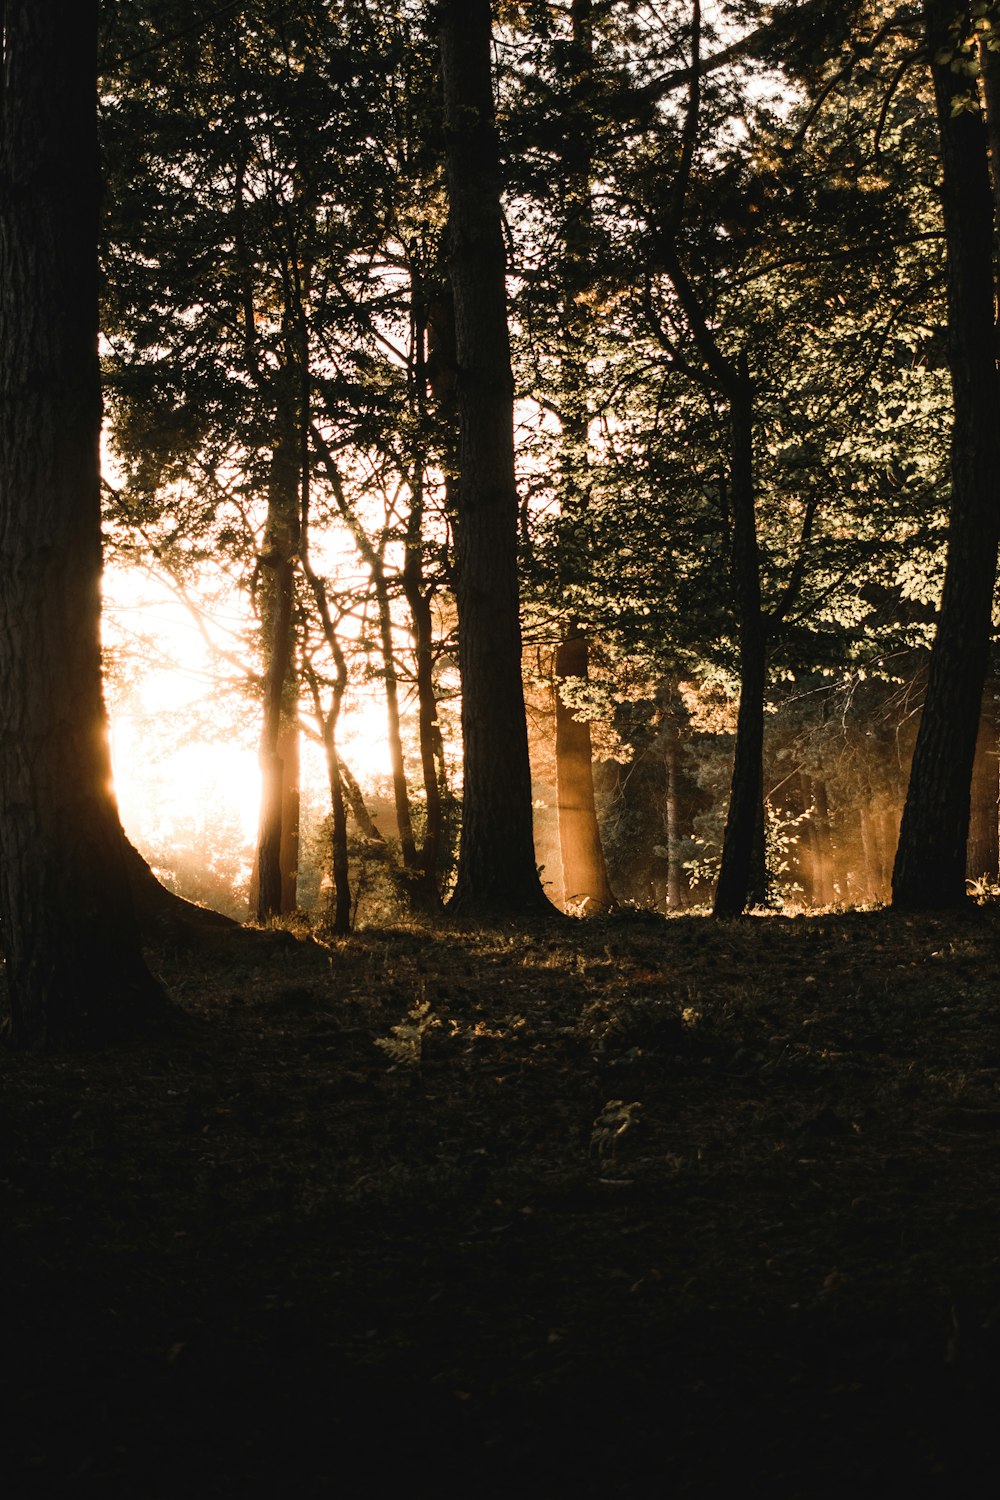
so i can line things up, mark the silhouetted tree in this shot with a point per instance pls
(74, 964)
(931, 857)
(496, 870)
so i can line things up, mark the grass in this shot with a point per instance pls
(634, 1208)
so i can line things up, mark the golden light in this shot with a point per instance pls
(184, 732)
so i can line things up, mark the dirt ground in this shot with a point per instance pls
(627, 1208)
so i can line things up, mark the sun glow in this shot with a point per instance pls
(198, 783)
(184, 741)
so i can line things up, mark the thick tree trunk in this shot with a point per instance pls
(930, 860)
(497, 875)
(163, 916)
(75, 970)
(742, 877)
(585, 877)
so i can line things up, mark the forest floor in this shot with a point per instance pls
(626, 1208)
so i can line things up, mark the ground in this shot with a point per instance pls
(625, 1208)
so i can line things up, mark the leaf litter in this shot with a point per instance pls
(615, 1208)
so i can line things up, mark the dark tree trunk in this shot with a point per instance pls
(400, 790)
(165, 917)
(75, 970)
(340, 914)
(585, 876)
(983, 854)
(272, 884)
(743, 877)
(289, 752)
(497, 875)
(419, 601)
(930, 860)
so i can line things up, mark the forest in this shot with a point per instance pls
(500, 746)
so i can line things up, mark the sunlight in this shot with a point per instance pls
(203, 784)
(184, 736)
(364, 744)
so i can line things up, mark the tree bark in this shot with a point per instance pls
(671, 819)
(497, 875)
(585, 874)
(418, 598)
(585, 877)
(289, 747)
(983, 854)
(400, 790)
(824, 848)
(75, 971)
(742, 877)
(341, 905)
(272, 885)
(930, 859)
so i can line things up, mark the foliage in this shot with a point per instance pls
(276, 199)
(405, 1043)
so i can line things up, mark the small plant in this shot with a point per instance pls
(614, 1121)
(983, 890)
(405, 1044)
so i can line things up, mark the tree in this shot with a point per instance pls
(497, 876)
(75, 969)
(279, 188)
(585, 875)
(930, 861)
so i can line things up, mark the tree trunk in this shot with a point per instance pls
(824, 851)
(288, 752)
(400, 790)
(585, 876)
(340, 916)
(983, 855)
(429, 857)
(675, 873)
(497, 875)
(272, 883)
(869, 850)
(930, 860)
(75, 970)
(808, 848)
(742, 876)
(359, 809)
